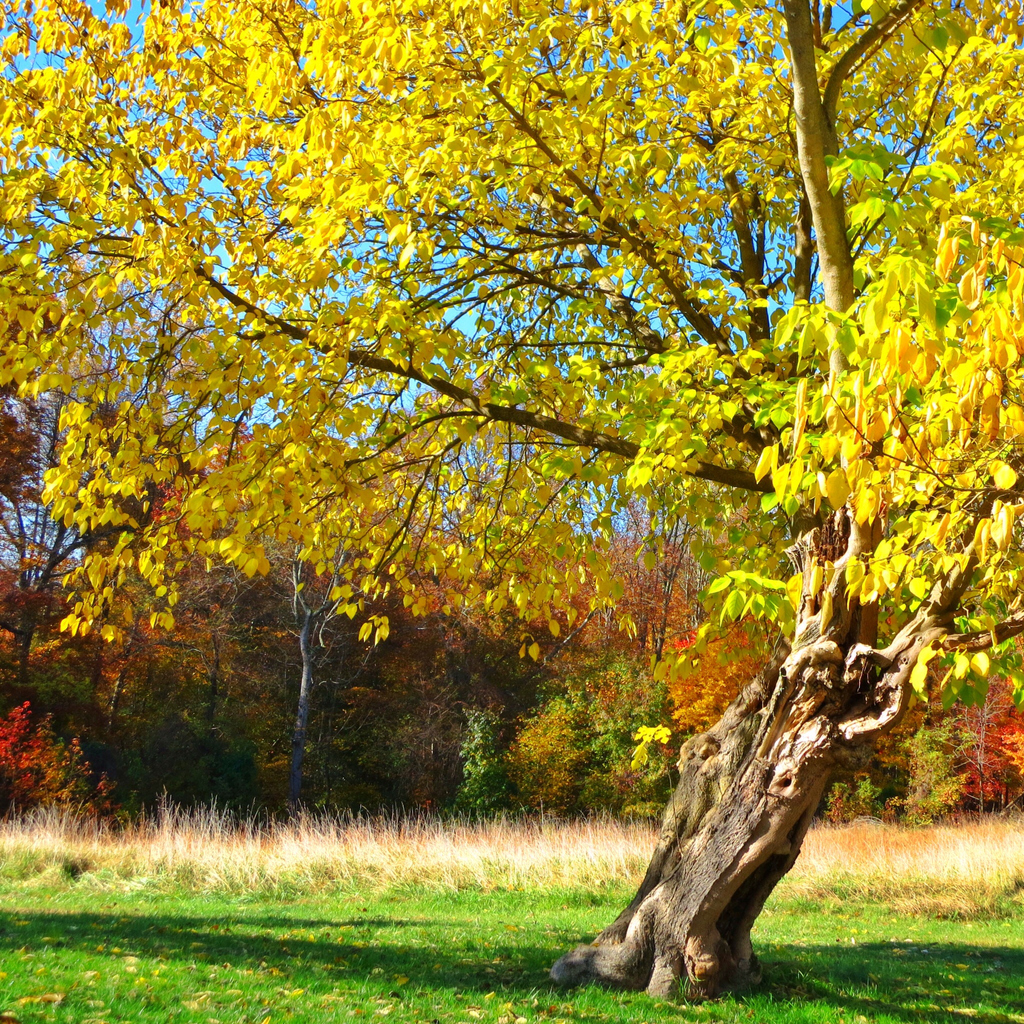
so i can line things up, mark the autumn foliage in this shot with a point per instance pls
(729, 663)
(38, 769)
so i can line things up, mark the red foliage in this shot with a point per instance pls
(38, 769)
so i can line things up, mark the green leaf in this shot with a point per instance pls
(733, 607)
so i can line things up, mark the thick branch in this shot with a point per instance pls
(750, 259)
(583, 436)
(803, 254)
(878, 33)
(981, 640)
(816, 140)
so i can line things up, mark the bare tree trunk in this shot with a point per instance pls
(302, 714)
(747, 791)
(213, 677)
(25, 638)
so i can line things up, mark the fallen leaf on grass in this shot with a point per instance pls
(50, 997)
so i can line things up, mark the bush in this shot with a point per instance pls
(37, 769)
(574, 754)
(486, 787)
(935, 786)
(847, 802)
(549, 761)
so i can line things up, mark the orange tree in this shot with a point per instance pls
(443, 282)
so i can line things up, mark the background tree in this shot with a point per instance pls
(456, 281)
(35, 550)
(314, 602)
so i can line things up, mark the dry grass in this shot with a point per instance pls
(958, 871)
(208, 850)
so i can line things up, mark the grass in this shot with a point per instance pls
(461, 925)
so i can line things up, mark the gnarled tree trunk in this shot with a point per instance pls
(748, 789)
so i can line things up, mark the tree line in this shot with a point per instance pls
(447, 714)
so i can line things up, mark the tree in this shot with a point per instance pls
(313, 604)
(35, 550)
(456, 280)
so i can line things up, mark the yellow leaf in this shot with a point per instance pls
(838, 487)
(829, 447)
(794, 588)
(768, 461)
(865, 505)
(925, 305)
(534, 650)
(1004, 476)
(919, 676)
(981, 664)
(799, 413)
(826, 610)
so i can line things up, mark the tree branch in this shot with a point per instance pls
(981, 640)
(881, 31)
(816, 140)
(585, 437)
(750, 260)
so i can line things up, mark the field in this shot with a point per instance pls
(193, 919)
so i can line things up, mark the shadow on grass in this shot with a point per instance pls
(935, 982)
(292, 947)
(940, 982)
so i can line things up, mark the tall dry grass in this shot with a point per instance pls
(207, 849)
(960, 870)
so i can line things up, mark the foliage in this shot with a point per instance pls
(700, 695)
(446, 294)
(485, 786)
(848, 802)
(537, 224)
(577, 751)
(548, 761)
(39, 770)
(935, 787)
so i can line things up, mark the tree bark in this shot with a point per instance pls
(747, 792)
(302, 714)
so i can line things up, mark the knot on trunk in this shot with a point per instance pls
(701, 960)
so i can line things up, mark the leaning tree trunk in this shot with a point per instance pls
(747, 791)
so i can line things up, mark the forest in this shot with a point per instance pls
(447, 714)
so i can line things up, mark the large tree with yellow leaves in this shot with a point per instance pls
(435, 284)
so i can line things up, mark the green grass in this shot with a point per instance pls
(71, 953)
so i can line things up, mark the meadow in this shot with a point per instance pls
(193, 917)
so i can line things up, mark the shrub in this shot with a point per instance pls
(548, 761)
(849, 801)
(39, 769)
(935, 786)
(486, 786)
(574, 754)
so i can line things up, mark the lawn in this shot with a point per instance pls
(86, 947)
(82, 956)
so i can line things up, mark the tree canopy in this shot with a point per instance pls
(434, 283)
